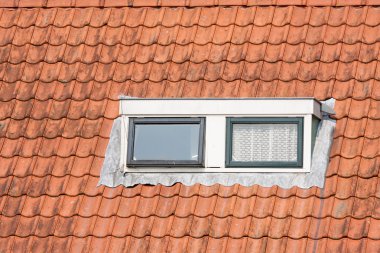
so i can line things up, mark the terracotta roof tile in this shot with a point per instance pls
(159, 244)
(161, 227)
(23, 166)
(18, 54)
(370, 148)
(368, 168)
(177, 244)
(371, 245)
(358, 228)
(37, 53)
(57, 185)
(63, 70)
(6, 182)
(76, 244)
(38, 186)
(65, 163)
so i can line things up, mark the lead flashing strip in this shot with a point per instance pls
(112, 173)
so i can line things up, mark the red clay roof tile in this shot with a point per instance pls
(8, 35)
(356, 245)
(24, 166)
(36, 53)
(9, 17)
(372, 245)
(84, 226)
(370, 148)
(61, 136)
(117, 17)
(45, 226)
(18, 54)
(368, 167)
(69, 205)
(51, 207)
(13, 206)
(5, 184)
(239, 227)
(306, 192)
(358, 228)
(77, 244)
(57, 185)
(65, 163)
(11, 147)
(38, 186)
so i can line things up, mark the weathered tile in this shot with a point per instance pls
(58, 120)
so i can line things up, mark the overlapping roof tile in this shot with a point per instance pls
(63, 69)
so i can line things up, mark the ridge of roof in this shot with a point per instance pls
(180, 3)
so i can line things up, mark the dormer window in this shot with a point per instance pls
(218, 135)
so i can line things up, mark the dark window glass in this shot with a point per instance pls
(166, 141)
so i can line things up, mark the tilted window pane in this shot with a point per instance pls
(264, 142)
(166, 142)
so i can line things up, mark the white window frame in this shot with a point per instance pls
(216, 111)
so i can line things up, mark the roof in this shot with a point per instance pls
(180, 3)
(63, 69)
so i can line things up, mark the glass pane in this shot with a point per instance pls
(166, 142)
(264, 142)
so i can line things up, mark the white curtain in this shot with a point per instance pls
(264, 142)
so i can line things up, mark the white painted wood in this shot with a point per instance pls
(201, 107)
(317, 109)
(215, 141)
(307, 132)
(124, 141)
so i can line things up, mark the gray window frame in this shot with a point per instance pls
(165, 163)
(260, 120)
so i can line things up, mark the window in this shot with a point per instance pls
(218, 135)
(167, 142)
(264, 142)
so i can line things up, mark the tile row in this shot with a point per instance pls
(297, 54)
(184, 244)
(355, 109)
(54, 110)
(347, 170)
(77, 176)
(67, 128)
(68, 196)
(359, 147)
(61, 147)
(196, 227)
(37, 93)
(68, 111)
(40, 167)
(180, 3)
(349, 167)
(204, 17)
(59, 91)
(185, 36)
(193, 72)
(352, 126)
